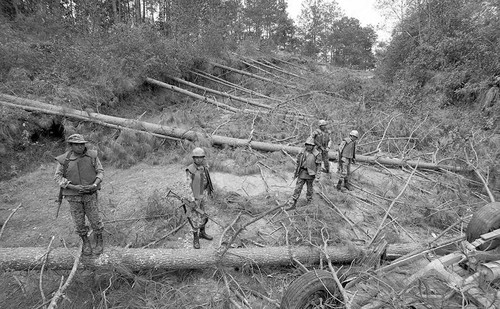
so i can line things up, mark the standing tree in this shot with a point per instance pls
(349, 44)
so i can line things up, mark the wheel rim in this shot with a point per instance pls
(322, 300)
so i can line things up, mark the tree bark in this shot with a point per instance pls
(223, 94)
(193, 135)
(232, 85)
(28, 258)
(221, 105)
(255, 76)
(137, 7)
(115, 12)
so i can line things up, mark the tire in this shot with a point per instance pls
(485, 220)
(312, 289)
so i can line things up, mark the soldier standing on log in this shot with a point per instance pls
(346, 155)
(308, 164)
(198, 178)
(79, 174)
(323, 143)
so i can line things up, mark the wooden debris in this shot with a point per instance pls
(25, 258)
(193, 135)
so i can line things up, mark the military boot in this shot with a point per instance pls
(292, 203)
(98, 243)
(339, 185)
(204, 235)
(196, 240)
(347, 185)
(86, 248)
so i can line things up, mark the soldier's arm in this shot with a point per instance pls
(187, 184)
(58, 176)
(99, 171)
(341, 146)
(329, 146)
(319, 159)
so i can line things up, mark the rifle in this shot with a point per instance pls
(209, 183)
(59, 201)
(298, 166)
(185, 202)
(60, 197)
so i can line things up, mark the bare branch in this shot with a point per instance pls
(392, 204)
(8, 218)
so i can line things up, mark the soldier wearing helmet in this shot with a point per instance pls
(198, 179)
(346, 155)
(308, 164)
(79, 174)
(323, 142)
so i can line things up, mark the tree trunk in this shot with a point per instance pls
(255, 76)
(221, 105)
(28, 258)
(220, 93)
(16, 8)
(193, 135)
(232, 85)
(137, 7)
(115, 12)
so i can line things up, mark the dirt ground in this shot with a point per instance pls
(127, 197)
(125, 193)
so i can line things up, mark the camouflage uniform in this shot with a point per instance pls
(308, 163)
(81, 205)
(79, 174)
(322, 143)
(198, 181)
(346, 155)
(198, 178)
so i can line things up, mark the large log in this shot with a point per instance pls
(222, 105)
(24, 258)
(232, 85)
(255, 76)
(193, 135)
(223, 94)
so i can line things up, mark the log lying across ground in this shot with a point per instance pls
(256, 76)
(24, 258)
(223, 94)
(222, 105)
(193, 135)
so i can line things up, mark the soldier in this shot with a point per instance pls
(323, 143)
(346, 155)
(198, 178)
(79, 174)
(308, 164)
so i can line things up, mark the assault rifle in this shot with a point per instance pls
(185, 202)
(59, 201)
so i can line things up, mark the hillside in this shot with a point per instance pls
(140, 169)
(146, 82)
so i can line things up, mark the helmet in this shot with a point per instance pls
(322, 122)
(354, 133)
(76, 139)
(198, 152)
(310, 141)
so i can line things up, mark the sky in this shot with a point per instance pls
(363, 10)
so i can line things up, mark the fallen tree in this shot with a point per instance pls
(193, 135)
(226, 83)
(24, 258)
(222, 105)
(256, 76)
(223, 94)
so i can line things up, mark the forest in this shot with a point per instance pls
(147, 81)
